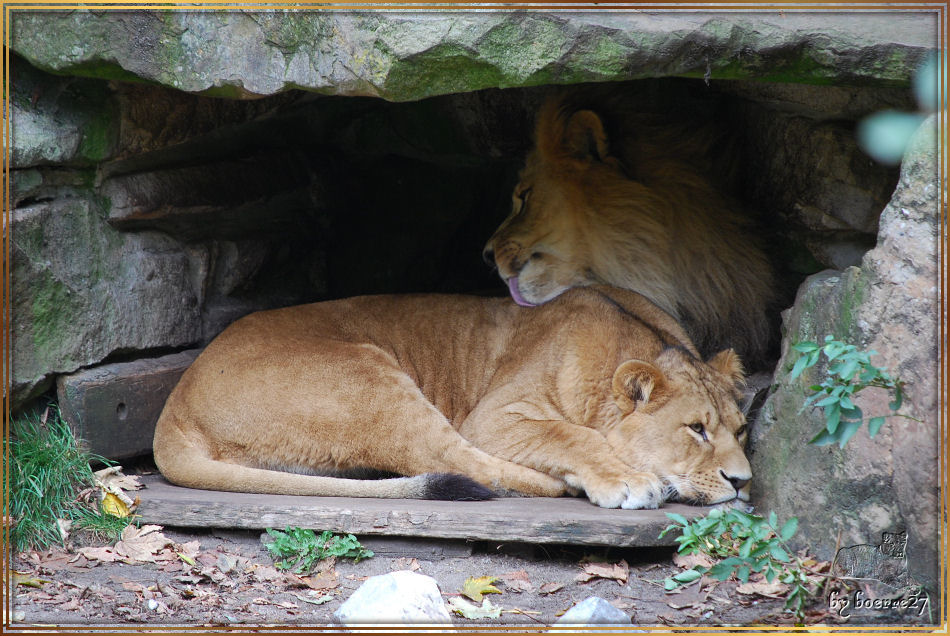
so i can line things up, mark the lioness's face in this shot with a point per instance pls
(688, 430)
(540, 248)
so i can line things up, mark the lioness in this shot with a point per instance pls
(610, 196)
(598, 391)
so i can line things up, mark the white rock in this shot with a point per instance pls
(396, 598)
(593, 611)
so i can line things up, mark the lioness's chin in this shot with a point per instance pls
(672, 494)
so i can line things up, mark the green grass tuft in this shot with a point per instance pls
(48, 472)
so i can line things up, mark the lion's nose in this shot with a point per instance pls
(488, 255)
(737, 482)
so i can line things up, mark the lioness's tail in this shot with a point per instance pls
(184, 461)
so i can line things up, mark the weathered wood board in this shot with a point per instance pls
(113, 408)
(564, 520)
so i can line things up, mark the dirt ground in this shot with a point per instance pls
(234, 582)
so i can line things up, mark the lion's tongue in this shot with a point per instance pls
(513, 288)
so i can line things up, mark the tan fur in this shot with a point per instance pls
(633, 207)
(592, 392)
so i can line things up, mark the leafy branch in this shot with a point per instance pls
(742, 544)
(849, 372)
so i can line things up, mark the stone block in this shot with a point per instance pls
(113, 408)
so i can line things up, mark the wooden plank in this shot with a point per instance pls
(113, 408)
(531, 519)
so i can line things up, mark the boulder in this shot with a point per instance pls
(404, 56)
(60, 122)
(889, 484)
(397, 598)
(85, 291)
(593, 611)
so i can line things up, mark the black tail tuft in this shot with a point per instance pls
(455, 487)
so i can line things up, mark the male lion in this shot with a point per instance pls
(598, 391)
(609, 196)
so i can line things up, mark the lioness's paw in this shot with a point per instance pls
(632, 492)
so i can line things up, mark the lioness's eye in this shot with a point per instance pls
(698, 428)
(741, 431)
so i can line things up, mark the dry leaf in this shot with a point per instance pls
(474, 612)
(405, 563)
(323, 581)
(690, 597)
(474, 587)
(320, 600)
(104, 554)
(690, 561)
(143, 544)
(113, 476)
(517, 581)
(614, 571)
(110, 481)
(64, 525)
(226, 563)
(550, 588)
(112, 505)
(775, 589)
(27, 580)
(622, 603)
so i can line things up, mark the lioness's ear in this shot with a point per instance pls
(637, 383)
(584, 136)
(727, 362)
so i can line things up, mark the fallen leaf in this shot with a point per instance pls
(26, 579)
(324, 581)
(775, 589)
(112, 505)
(550, 588)
(615, 571)
(113, 476)
(474, 612)
(690, 597)
(690, 561)
(320, 600)
(142, 544)
(517, 581)
(64, 525)
(104, 554)
(226, 563)
(70, 606)
(405, 563)
(474, 587)
(189, 578)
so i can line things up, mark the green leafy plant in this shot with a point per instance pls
(299, 549)
(849, 371)
(740, 544)
(50, 480)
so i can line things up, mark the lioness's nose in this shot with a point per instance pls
(737, 482)
(488, 255)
